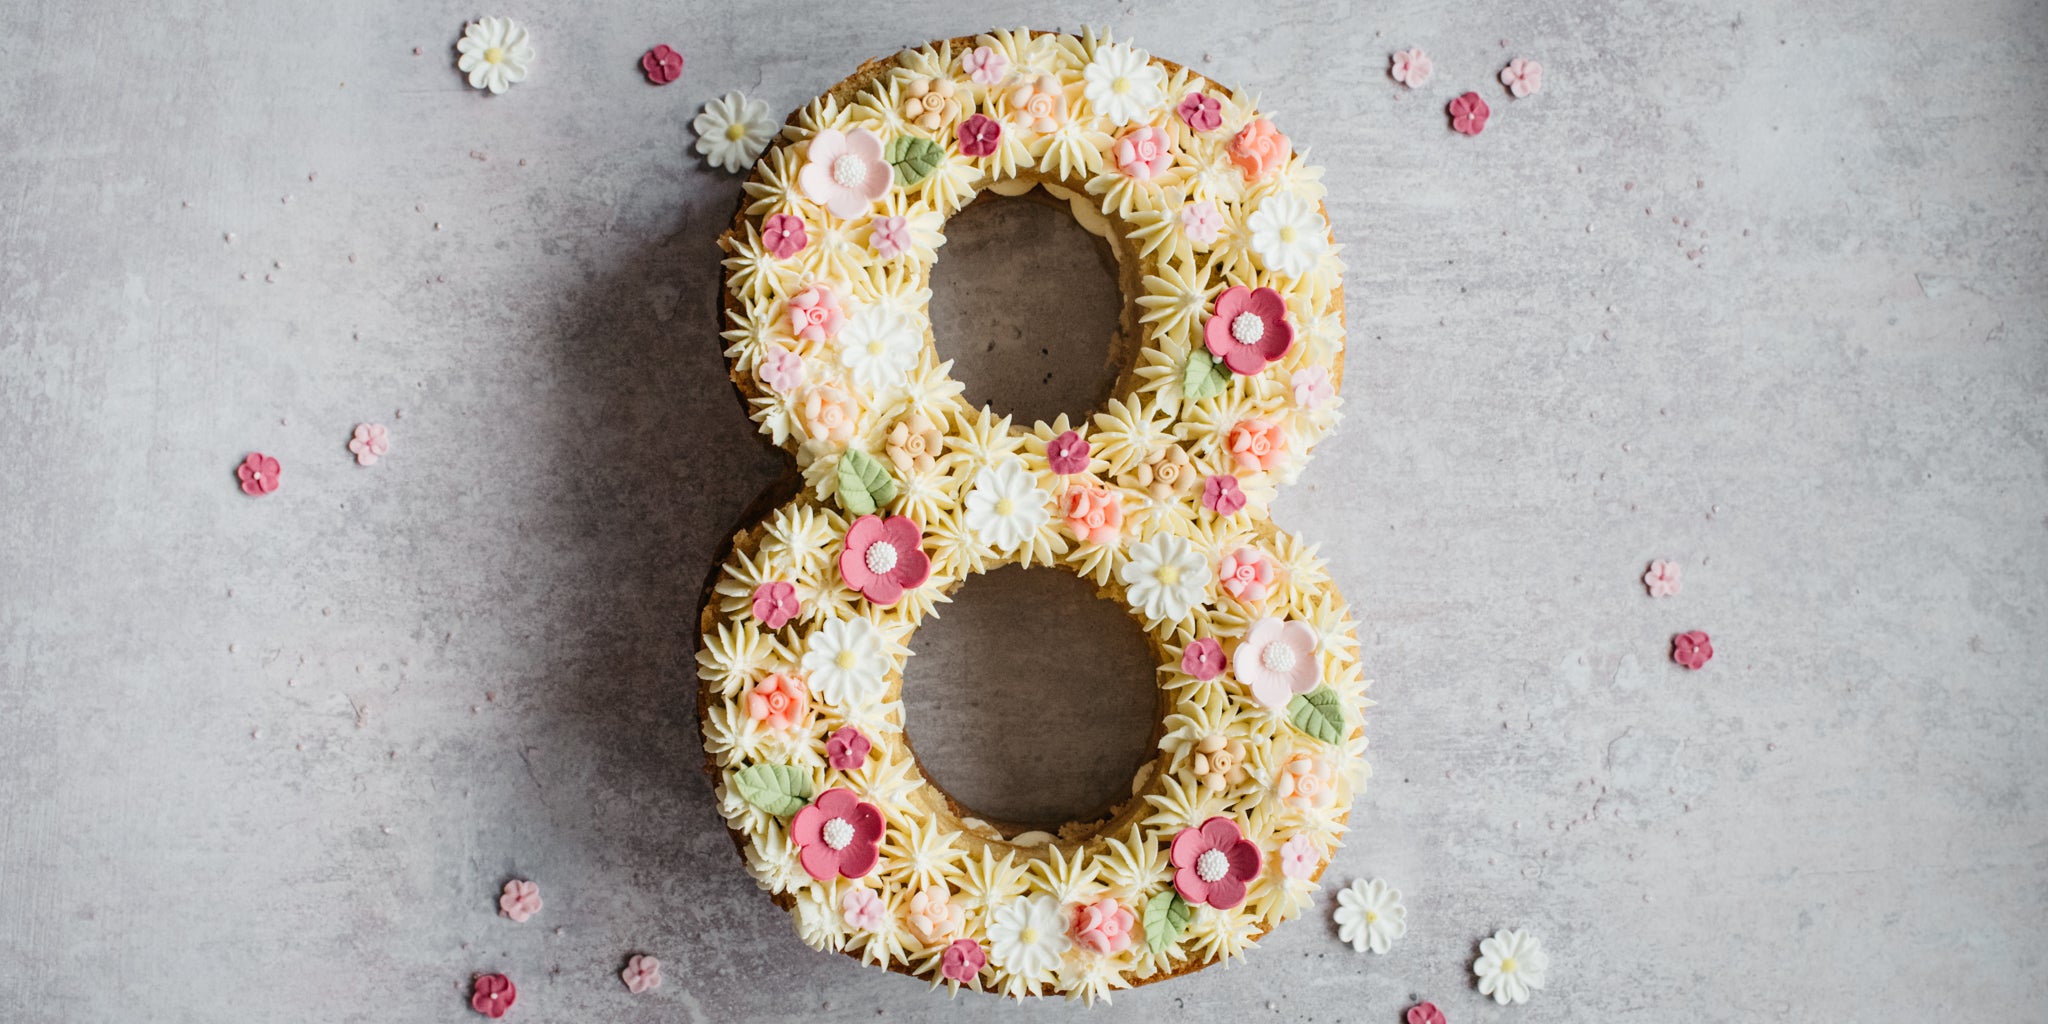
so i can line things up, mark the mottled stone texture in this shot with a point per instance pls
(270, 760)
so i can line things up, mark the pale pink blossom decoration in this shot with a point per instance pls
(1202, 222)
(844, 171)
(984, 65)
(1663, 578)
(1298, 857)
(781, 369)
(641, 974)
(1522, 77)
(520, 900)
(1412, 68)
(1312, 386)
(862, 909)
(889, 236)
(1276, 660)
(370, 443)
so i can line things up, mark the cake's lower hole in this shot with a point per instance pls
(1031, 701)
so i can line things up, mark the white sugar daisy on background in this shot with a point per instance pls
(879, 347)
(1511, 965)
(1006, 507)
(1288, 234)
(1027, 937)
(1370, 915)
(496, 53)
(733, 130)
(846, 663)
(1165, 577)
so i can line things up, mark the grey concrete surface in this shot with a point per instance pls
(1760, 288)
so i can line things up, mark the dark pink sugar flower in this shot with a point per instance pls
(1693, 649)
(1068, 453)
(837, 834)
(979, 135)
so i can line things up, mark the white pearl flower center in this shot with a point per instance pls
(881, 557)
(838, 833)
(1247, 328)
(1277, 657)
(849, 171)
(1211, 865)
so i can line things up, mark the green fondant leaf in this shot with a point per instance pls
(1165, 915)
(864, 485)
(1203, 376)
(779, 789)
(914, 158)
(1320, 713)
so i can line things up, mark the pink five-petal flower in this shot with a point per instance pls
(1425, 1013)
(1257, 444)
(984, 65)
(1692, 649)
(1214, 863)
(884, 557)
(847, 749)
(1200, 111)
(1068, 453)
(1103, 926)
(258, 473)
(662, 64)
(1277, 659)
(844, 171)
(492, 994)
(1522, 77)
(979, 135)
(1469, 114)
(781, 369)
(785, 235)
(369, 443)
(860, 908)
(1144, 152)
(1202, 222)
(775, 603)
(1093, 515)
(1312, 386)
(1412, 68)
(1203, 658)
(814, 313)
(1222, 495)
(779, 702)
(963, 961)
(889, 236)
(1663, 578)
(1247, 574)
(837, 834)
(1298, 857)
(519, 901)
(641, 974)
(1249, 329)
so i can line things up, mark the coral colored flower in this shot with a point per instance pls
(780, 702)
(1276, 660)
(979, 135)
(1425, 1013)
(1219, 762)
(780, 369)
(1311, 386)
(1469, 114)
(785, 235)
(1663, 578)
(1093, 515)
(847, 749)
(1144, 152)
(1222, 495)
(1164, 475)
(962, 961)
(1040, 104)
(884, 557)
(1214, 863)
(914, 444)
(829, 413)
(1259, 149)
(1200, 111)
(1298, 857)
(1412, 68)
(1303, 782)
(1202, 222)
(519, 901)
(889, 236)
(933, 914)
(984, 65)
(369, 443)
(1257, 444)
(775, 603)
(641, 973)
(492, 994)
(837, 834)
(862, 909)
(929, 103)
(1693, 650)
(1203, 658)
(1067, 453)
(662, 65)
(1247, 574)
(814, 313)
(1522, 77)
(1249, 329)
(258, 474)
(844, 171)
(1103, 926)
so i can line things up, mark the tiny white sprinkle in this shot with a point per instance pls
(234, 648)
(286, 199)
(270, 279)
(229, 238)
(437, 225)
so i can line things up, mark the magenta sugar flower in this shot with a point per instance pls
(1068, 453)
(963, 961)
(884, 557)
(837, 834)
(979, 135)
(1222, 495)
(1249, 330)
(1200, 111)
(784, 235)
(847, 749)
(1203, 658)
(1214, 863)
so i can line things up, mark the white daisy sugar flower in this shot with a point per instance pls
(496, 53)
(1370, 915)
(1165, 577)
(1288, 234)
(1027, 936)
(1123, 84)
(1510, 966)
(846, 663)
(733, 130)
(879, 347)
(1006, 505)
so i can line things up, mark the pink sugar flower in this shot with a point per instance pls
(492, 995)
(1093, 515)
(779, 702)
(962, 962)
(814, 313)
(1103, 926)
(1247, 574)
(1425, 1013)
(1469, 114)
(1203, 658)
(259, 474)
(1692, 649)
(1200, 111)
(1144, 152)
(369, 443)
(1663, 578)
(979, 135)
(1257, 444)
(844, 171)
(1522, 77)
(1249, 330)
(1214, 863)
(884, 557)
(519, 901)
(1311, 386)
(984, 65)
(784, 235)
(662, 64)
(1259, 150)
(837, 834)
(1202, 222)
(847, 749)
(1412, 68)
(1276, 660)
(780, 369)
(1068, 453)
(1222, 495)
(1298, 857)
(775, 603)
(862, 909)
(889, 237)
(641, 973)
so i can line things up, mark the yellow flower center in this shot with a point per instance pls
(494, 55)
(1287, 234)
(1507, 966)
(1372, 916)
(874, 348)
(846, 660)
(735, 132)
(1121, 86)
(1005, 507)
(1028, 936)
(1169, 574)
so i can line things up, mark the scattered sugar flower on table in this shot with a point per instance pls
(1006, 506)
(1277, 659)
(934, 916)
(1214, 863)
(1247, 574)
(962, 962)
(733, 130)
(1412, 68)
(1692, 649)
(1144, 152)
(1203, 658)
(929, 103)
(662, 64)
(520, 900)
(1026, 936)
(814, 313)
(1312, 386)
(1103, 926)
(1164, 577)
(847, 749)
(979, 135)
(1469, 114)
(1200, 111)
(780, 369)
(884, 558)
(495, 54)
(1222, 494)
(492, 994)
(845, 662)
(779, 702)
(1425, 1013)
(1511, 965)
(784, 235)
(889, 237)
(775, 603)
(1202, 222)
(1663, 578)
(1068, 453)
(838, 834)
(1522, 77)
(259, 474)
(1288, 234)
(641, 973)
(1249, 330)
(984, 65)
(1122, 83)
(862, 909)
(1259, 149)
(1370, 915)
(1219, 762)
(1298, 857)
(369, 443)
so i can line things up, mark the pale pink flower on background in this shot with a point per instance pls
(1663, 578)
(1144, 152)
(1247, 574)
(520, 900)
(1277, 659)
(1202, 222)
(934, 916)
(889, 236)
(844, 171)
(862, 909)
(1103, 926)
(370, 443)
(1298, 857)
(785, 235)
(984, 65)
(814, 313)
(781, 369)
(1522, 77)
(1312, 386)
(1412, 68)
(641, 974)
